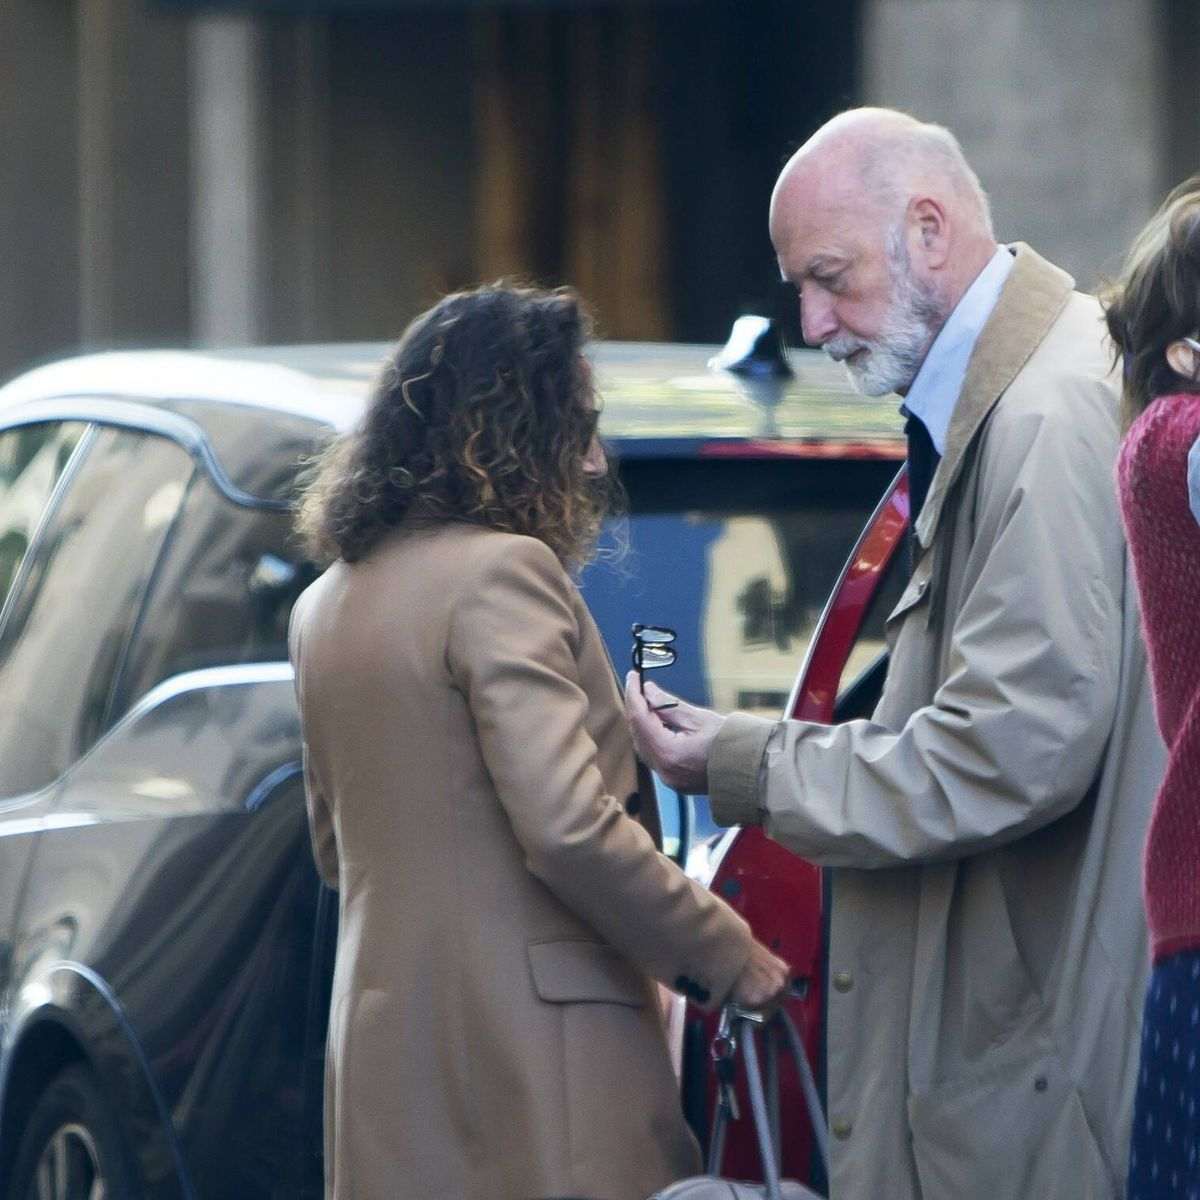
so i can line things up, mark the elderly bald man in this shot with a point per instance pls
(985, 825)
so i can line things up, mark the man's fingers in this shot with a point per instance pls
(649, 704)
(650, 736)
(677, 715)
(656, 695)
(674, 741)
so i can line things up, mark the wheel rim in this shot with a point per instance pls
(69, 1167)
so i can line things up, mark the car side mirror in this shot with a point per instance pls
(754, 356)
(754, 350)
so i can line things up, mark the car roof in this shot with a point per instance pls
(658, 399)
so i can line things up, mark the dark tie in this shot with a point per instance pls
(923, 459)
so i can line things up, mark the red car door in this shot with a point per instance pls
(779, 894)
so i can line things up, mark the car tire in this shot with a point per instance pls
(71, 1147)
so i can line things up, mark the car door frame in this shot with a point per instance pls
(764, 882)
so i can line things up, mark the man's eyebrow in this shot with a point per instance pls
(819, 264)
(824, 264)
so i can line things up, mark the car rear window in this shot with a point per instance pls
(739, 557)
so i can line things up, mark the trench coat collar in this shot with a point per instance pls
(1033, 296)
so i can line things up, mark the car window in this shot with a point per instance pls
(739, 558)
(70, 617)
(32, 458)
(222, 595)
(264, 460)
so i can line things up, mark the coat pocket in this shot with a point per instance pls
(572, 971)
(1014, 1132)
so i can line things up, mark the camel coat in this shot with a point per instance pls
(494, 1032)
(988, 948)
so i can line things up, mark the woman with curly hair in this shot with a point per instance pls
(472, 791)
(1154, 319)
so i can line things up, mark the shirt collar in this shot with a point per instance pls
(934, 391)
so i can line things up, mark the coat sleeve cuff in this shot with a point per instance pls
(734, 766)
(728, 964)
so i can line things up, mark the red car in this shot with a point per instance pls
(780, 895)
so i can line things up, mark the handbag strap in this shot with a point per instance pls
(808, 1085)
(737, 1030)
(758, 1107)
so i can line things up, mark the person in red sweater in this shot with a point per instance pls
(1153, 316)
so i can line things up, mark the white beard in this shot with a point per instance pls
(890, 361)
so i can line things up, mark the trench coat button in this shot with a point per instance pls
(843, 981)
(683, 984)
(1040, 1084)
(633, 804)
(842, 1128)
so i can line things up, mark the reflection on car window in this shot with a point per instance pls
(222, 596)
(739, 558)
(262, 452)
(870, 643)
(70, 619)
(32, 458)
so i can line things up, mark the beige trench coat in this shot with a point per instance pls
(987, 949)
(494, 1032)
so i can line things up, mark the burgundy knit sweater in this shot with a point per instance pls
(1164, 539)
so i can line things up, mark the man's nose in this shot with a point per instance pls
(817, 322)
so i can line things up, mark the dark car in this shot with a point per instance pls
(165, 945)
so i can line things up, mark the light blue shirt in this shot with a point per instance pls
(935, 390)
(1194, 478)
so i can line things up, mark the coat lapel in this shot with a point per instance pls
(1034, 294)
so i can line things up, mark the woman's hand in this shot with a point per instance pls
(763, 981)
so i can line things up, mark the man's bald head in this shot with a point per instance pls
(882, 226)
(877, 158)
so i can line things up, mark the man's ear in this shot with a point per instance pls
(1184, 360)
(932, 230)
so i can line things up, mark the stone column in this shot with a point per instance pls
(39, 183)
(227, 178)
(296, 241)
(133, 173)
(1061, 107)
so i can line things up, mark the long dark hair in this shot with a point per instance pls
(482, 413)
(1156, 301)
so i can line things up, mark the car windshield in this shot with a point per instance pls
(738, 557)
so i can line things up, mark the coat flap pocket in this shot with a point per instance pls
(574, 971)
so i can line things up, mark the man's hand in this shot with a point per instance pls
(675, 741)
(763, 981)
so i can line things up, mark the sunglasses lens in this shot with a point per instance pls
(651, 634)
(657, 656)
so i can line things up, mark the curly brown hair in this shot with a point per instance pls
(1156, 301)
(483, 413)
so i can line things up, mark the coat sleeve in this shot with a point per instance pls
(512, 653)
(1017, 730)
(320, 820)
